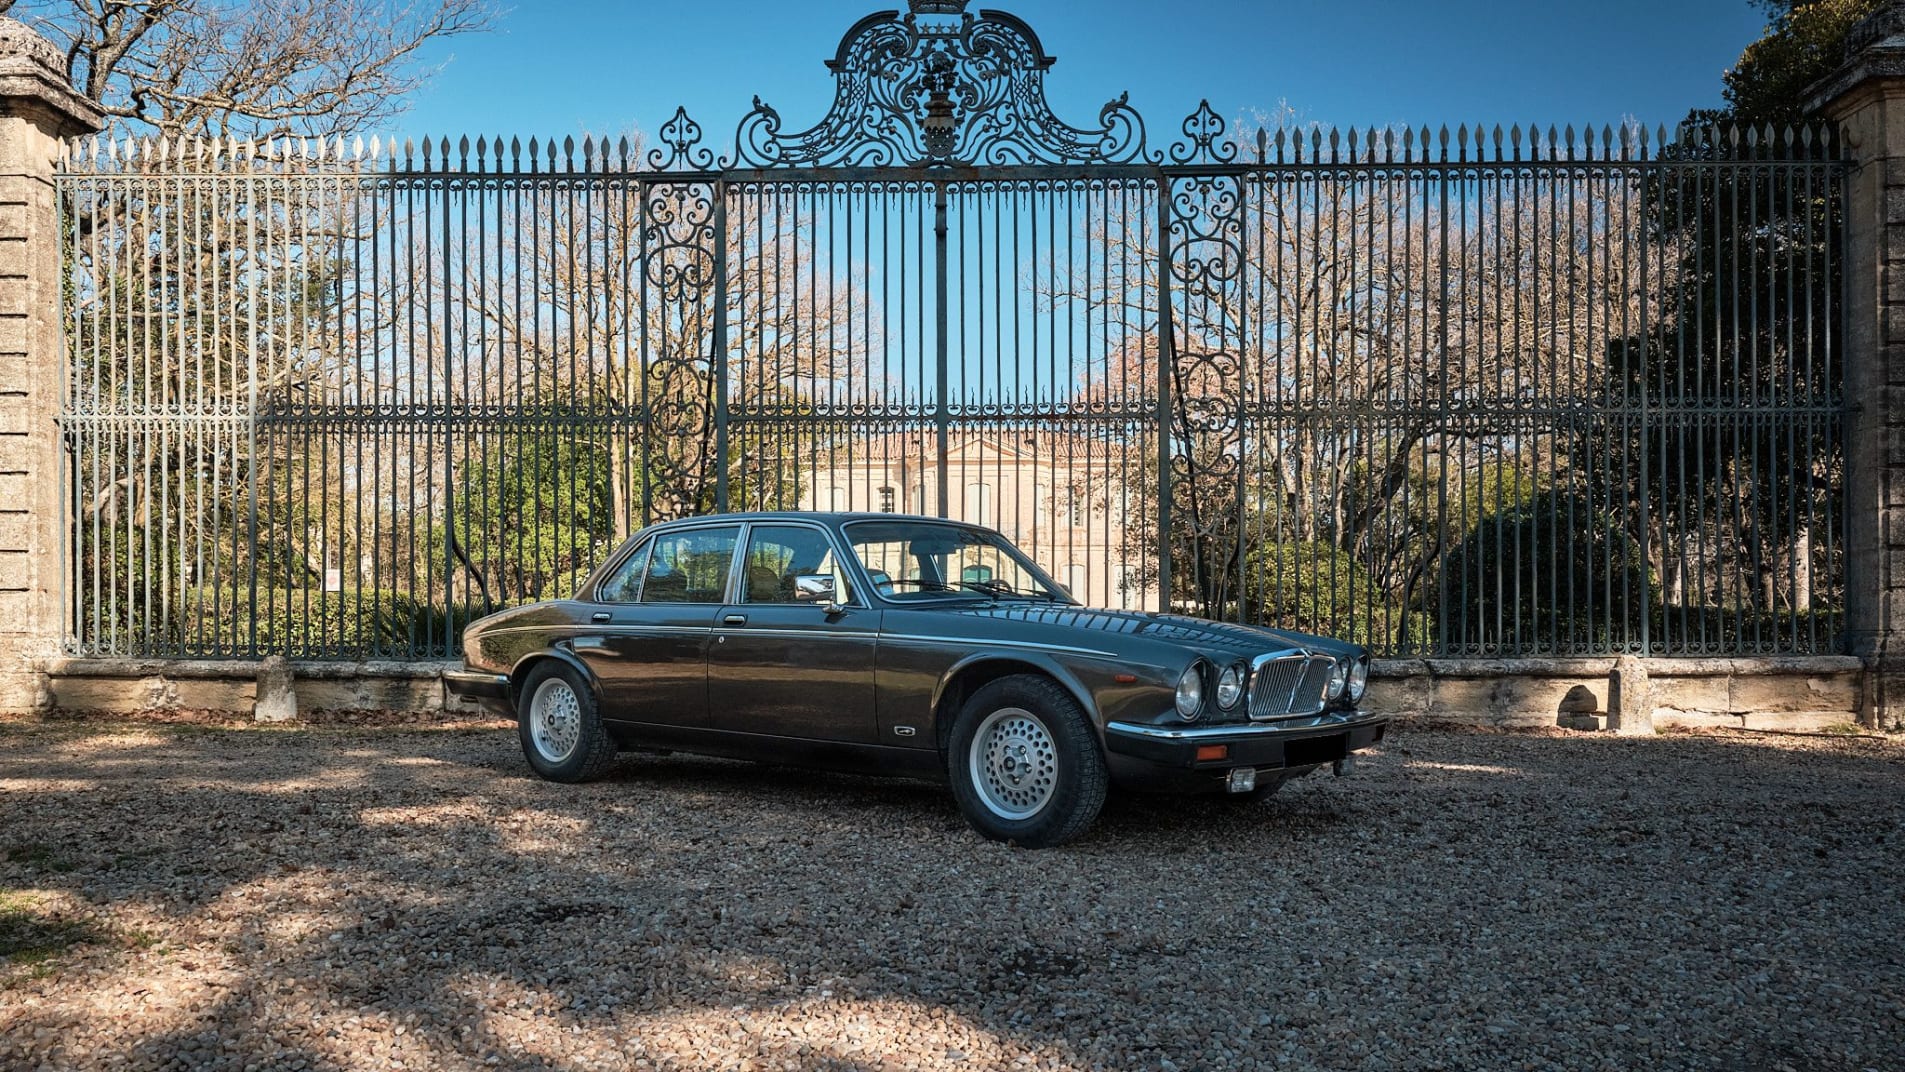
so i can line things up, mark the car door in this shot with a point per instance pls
(786, 668)
(651, 624)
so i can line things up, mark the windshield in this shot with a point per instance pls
(926, 560)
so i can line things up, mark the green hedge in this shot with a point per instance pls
(1559, 572)
(367, 623)
(1316, 587)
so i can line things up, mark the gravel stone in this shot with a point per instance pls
(351, 897)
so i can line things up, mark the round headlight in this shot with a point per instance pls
(1190, 691)
(1339, 678)
(1358, 679)
(1230, 687)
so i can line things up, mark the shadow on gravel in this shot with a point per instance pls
(1464, 893)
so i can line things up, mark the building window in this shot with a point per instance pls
(978, 503)
(1075, 582)
(886, 500)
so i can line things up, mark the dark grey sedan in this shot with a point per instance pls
(914, 646)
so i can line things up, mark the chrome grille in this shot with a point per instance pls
(1285, 686)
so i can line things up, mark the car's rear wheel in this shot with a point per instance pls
(1024, 763)
(561, 731)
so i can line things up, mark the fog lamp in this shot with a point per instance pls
(1242, 779)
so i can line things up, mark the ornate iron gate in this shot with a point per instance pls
(1468, 394)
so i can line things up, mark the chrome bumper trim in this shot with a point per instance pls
(1337, 720)
(476, 684)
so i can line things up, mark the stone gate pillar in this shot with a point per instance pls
(1866, 97)
(37, 108)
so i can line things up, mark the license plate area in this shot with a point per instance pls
(1314, 750)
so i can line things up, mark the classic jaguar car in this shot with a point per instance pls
(906, 645)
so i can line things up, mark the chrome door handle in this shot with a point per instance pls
(734, 619)
(599, 616)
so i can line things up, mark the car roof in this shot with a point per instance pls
(831, 516)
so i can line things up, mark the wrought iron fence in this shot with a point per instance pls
(1461, 393)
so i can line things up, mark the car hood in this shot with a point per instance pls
(1201, 634)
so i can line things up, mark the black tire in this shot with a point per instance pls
(592, 750)
(1035, 726)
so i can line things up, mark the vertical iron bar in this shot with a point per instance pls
(719, 358)
(942, 416)
(1166, 356)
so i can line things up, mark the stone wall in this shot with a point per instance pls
(1809, 693)
(1780, 694)
(128, 686)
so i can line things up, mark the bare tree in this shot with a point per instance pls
(250, 68)
(1351, 292)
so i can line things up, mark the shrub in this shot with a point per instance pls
(1557, 575)
(1316, 587)
(301, 623)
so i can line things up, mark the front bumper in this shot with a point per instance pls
(490, 690)
(1298, 742)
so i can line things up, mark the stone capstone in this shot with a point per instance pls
(277, 693)
(1630, 700)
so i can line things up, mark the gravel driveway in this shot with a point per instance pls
(181, 897)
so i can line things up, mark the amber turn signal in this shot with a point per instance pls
(1208, 752)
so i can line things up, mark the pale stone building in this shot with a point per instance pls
(1078, 507)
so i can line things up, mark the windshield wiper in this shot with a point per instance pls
(1002, 590)
(922, 585)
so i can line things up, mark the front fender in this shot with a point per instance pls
(1058, 671)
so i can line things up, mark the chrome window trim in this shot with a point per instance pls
(846, 561)
(615, 566)
(660, 532)
(888, 519)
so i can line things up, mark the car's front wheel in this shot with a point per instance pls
(561, 731)
(1025, 764)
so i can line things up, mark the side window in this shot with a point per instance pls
(776, 554)
(625, 584)
(690, 567)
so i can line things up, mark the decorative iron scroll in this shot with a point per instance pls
(940, 85)
(1206, 259)
(678, 260)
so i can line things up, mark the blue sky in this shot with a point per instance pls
(566, 67)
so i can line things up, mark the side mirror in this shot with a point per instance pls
(819, 588)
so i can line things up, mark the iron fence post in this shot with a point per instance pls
(718, 360)
(1167, 357)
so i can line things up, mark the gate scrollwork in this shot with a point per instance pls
(678, 260)
(1206, 260)
(940, 86)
